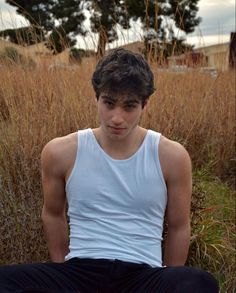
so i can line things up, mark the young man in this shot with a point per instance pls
(119, 180)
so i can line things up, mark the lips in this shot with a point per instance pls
(116, 129)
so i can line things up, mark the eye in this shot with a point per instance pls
(109, 103)
(130, 107)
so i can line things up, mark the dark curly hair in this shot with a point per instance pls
(123, 71)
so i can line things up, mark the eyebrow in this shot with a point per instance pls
(126, 101)
(105, 97)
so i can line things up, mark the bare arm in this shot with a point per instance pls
(179, 187)
(53, 213)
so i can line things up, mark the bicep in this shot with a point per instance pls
(53, 184)
(54, 195)
(179, 188)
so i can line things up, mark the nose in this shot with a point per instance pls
(117, 116)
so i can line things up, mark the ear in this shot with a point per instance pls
(145, 104)
(95, 99)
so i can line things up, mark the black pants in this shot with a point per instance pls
(88, 276)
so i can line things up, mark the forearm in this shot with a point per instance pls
(56, 233)
(177, 246)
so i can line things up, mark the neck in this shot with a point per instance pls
(120, 148)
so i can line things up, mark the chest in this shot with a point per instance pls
(133, 186)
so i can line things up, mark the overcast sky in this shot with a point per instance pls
(218, 20)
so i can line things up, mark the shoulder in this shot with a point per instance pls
(174, 158)
(59, 153)
(173, 149)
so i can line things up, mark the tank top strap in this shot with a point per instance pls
(84, 140)
(154, 141)
(154, 137)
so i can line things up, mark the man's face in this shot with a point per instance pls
(119, 114)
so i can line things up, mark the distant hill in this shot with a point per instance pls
(4, 44)
(38, 52)
(36, 49)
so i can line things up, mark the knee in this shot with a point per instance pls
(198, 281)
(208, 281)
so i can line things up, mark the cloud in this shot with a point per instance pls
(218, 16)
(219, 3)
(6, 7)
(11, 20)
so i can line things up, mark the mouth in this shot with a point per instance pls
(116, 129)
(113, 127)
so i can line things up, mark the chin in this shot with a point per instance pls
(117, 136)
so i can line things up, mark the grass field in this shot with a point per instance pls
(37, 105)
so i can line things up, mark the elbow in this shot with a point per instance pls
(183, 229)
(180, 225)
(48, 215)
(44, 215)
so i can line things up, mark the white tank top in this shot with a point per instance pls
(116, 207)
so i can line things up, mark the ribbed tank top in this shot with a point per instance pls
(116, 207)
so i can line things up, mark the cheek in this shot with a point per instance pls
(134, 117)
(102, 114)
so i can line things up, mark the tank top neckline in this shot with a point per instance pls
(119, 160)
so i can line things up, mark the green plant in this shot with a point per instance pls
(213, 231)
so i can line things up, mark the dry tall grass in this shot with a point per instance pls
(198, 111)
(38, 105)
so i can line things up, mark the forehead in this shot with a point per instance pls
(121, 97)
